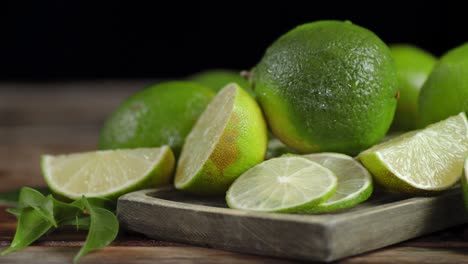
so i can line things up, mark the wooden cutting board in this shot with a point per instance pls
(383, 220)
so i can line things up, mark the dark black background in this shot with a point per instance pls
(61, 40)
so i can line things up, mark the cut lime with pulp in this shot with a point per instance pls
(354, 181)
(229, 138)
(421, 161)
(107, 173)
(286, 184)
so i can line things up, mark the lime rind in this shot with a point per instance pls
(159, 168)
(455, 176)
(216, 79)
(413, 67)
(445, 92)
(229, 138)
(203, 138)
(386, 178)
(316, 94)
(159, 114)
(421, 161)
(354, 182)
(285, 185)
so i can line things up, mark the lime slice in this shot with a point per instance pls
(229, 138)
(354, 181)
(286, 184)
(464, 181)
(108, 173)
(421, 161)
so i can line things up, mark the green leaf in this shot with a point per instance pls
(102, 203)
(103, 229)
(14, 211)
(29, 197)
(64, 211)
(31, 226)
(81, 223)
(11, 198)
(67, 214)
(96, 202)
(37, 214)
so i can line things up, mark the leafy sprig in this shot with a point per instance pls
(38, 214)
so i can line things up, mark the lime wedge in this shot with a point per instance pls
(354, 181)
(229, 138)
(286, 184)
(421, 161)
(108, 173)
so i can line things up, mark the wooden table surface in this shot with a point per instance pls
(65, 117)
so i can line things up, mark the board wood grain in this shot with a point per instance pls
(383, 220)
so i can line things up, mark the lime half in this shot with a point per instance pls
(285, 184)
(229, 138)
(354, 181)
(108, 173)
(421, 161)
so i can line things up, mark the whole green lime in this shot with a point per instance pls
(161, 114)
(445, 93)
(413, 67)
(216, 79)
(327, 86)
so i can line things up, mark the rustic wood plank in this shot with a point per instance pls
(61, 246)
(416, 255)
(327, 237)
(52, 118)
(65, 104)
(20, 152)
(134, 255)
(414, 251)
(61, 136)
(170, 254)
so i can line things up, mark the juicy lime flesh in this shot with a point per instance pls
(161, 114)
(354, 180)
(413, 67)
(281, 184)
(327, 86)
(203, 138)
(100, 173)
(445, 93)
(427, 159)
